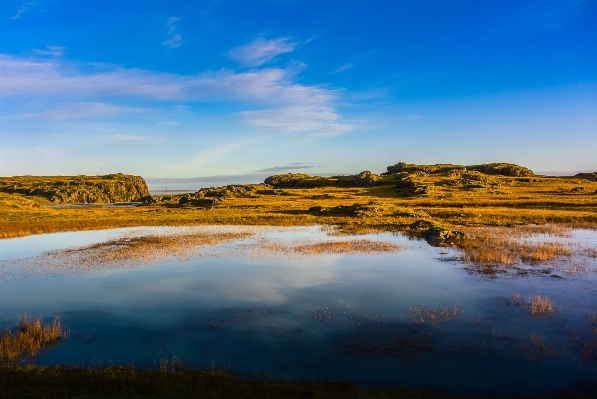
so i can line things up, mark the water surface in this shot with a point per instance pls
(417, 318)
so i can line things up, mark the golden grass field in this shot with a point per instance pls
(541, 200)
(496, 217)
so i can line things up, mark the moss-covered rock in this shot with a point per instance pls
(436, 234)
(292, 180)
(79, 189)
(413, 183)
(365, 179)
(232, 190)
(503, 169)
(592, 176)
(402, 167)
(471, 179)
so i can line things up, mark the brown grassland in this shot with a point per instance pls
(504, 201)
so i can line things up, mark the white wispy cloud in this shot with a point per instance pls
(82, 110)
(51, 51)
(260, 51)
(344, 67)
(126, 137)
(275, 98)
(23, 9)
(320, 120)
(174, 38)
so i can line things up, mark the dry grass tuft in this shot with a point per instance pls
(349, 247)
(423, 315)
(511, 246)
(540, 305)
(31, 337)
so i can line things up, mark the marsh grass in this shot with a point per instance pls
(574, 270)
(424, 315)
(515, 245)
(585, 346)
(538, 349)
(30, 337)
(540, 305)
(130, 250)
(145, 247)
(348, 247)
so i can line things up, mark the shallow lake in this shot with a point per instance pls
(418, 317)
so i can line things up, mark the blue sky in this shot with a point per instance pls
(232, 91)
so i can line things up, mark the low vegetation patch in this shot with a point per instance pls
(30, 338)
(513, 245)
(424, 315)
(131, 250)
(348, 247)
(540, 305)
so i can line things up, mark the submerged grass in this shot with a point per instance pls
(493, 250)
(30, 338)
(356, 246)
(183, 243)
(540, 305)
(424, 315)
(130, 250)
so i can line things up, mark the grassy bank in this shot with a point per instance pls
(128, 382)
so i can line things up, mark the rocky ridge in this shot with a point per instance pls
(106, 189)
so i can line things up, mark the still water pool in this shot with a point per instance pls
(418, 317)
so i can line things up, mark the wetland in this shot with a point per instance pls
(470, 281)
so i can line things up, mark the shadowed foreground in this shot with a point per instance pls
(121, 382)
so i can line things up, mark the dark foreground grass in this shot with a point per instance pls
(128, 382)
(123, 382)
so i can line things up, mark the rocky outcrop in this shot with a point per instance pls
(413, 183)
(592, 176)
(436, 234)
(291, 180)
(232, 190)
(80, 189)
(402, 167)
(470, 179)
(504, 169)
(365, 179)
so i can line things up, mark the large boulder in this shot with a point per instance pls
(436, 234)
(365, 179)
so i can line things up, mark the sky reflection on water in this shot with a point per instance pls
(337, 317)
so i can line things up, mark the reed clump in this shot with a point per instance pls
(30, 337)
(540, 305)
(510, 246)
